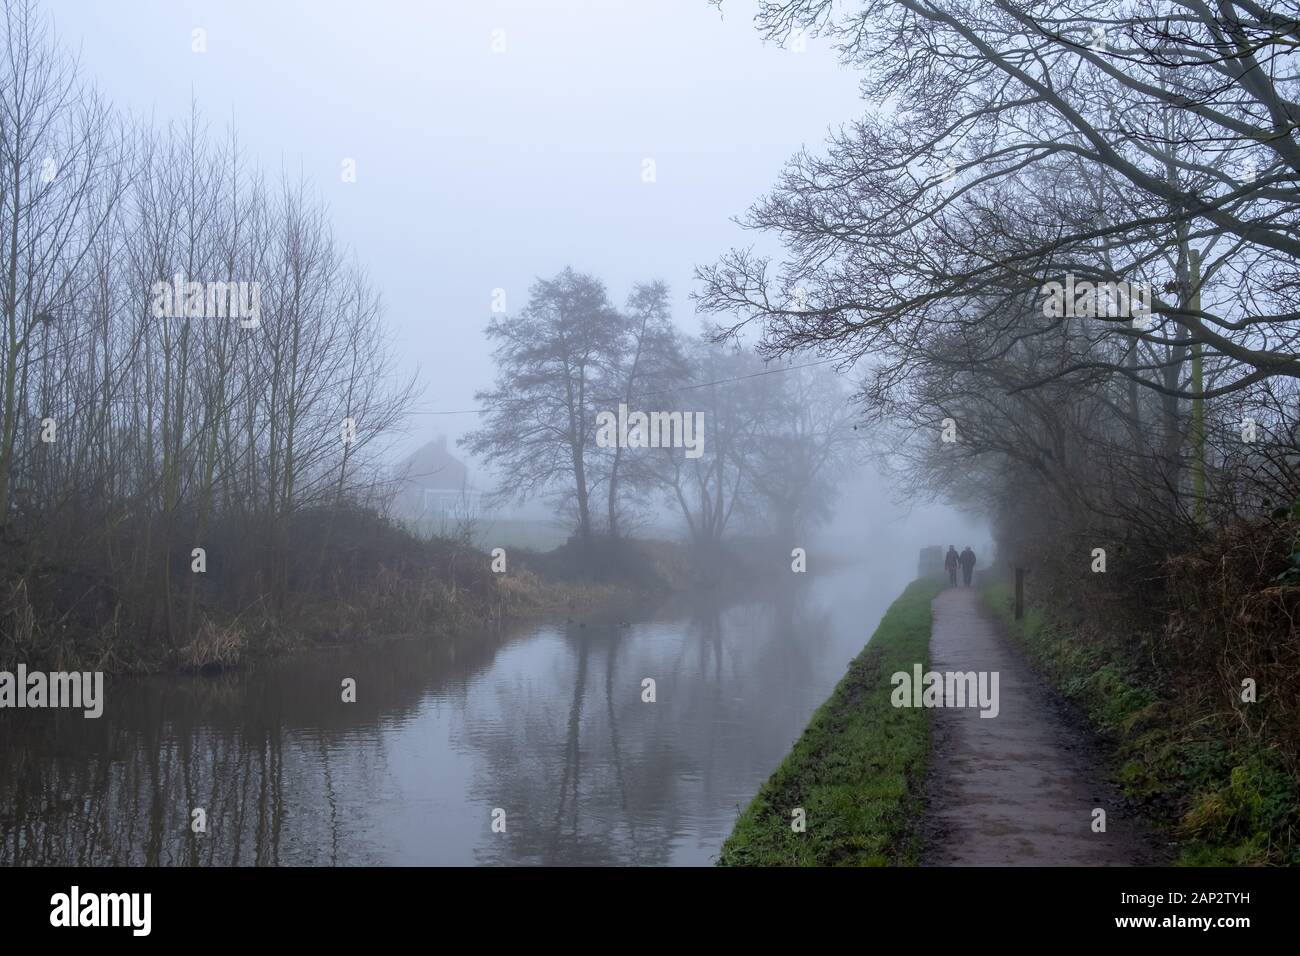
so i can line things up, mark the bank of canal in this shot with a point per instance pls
(849, 793)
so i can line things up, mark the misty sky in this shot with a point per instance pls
(478, 170)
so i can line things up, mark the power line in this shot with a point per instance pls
(664, 391)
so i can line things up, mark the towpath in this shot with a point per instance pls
(1019, 788)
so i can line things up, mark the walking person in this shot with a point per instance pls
(967, 560)
(950, 562)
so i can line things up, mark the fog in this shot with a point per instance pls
(495, 143)
(417, 416)
(365, 427)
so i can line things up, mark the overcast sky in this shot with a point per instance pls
(479, 170)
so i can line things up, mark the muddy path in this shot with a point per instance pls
(1018, 789)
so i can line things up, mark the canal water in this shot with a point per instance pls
(543, 728)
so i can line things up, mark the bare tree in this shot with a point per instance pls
(1189, 114)
(60, 177)
(146, 412)
(554, 361)
(646, 366)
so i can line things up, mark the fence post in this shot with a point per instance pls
(1020, 593)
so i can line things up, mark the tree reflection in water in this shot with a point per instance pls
(546, 723)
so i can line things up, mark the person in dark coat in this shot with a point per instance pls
(950, 562)
(967, 560)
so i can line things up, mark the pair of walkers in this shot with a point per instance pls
(966, 561)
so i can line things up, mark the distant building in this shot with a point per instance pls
(930, 563)
(433, 486)
(435, 494)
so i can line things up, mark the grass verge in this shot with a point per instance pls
(859, 768)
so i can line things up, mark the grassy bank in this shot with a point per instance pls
(859, 766)
(346, 577)
(1227, 799)
(341, 576)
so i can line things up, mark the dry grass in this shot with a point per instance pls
(214, 647)
(1234, 608)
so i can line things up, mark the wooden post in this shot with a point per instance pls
(1020, 593)
(1198, 403)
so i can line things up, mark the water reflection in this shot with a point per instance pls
(548, 724)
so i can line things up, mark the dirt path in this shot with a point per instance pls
(1018, 788)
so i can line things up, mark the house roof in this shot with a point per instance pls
(433, 466)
